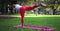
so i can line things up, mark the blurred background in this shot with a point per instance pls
(47, 7)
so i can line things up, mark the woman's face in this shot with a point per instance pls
(13, 5)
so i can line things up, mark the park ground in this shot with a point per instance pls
(7, 22)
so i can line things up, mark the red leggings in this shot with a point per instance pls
(22, 12)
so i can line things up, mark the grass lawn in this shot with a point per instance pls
(7, 23)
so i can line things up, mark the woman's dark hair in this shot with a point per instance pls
(14, 2)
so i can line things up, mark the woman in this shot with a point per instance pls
(22, 9)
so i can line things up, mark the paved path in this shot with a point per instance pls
(6, 16)
(30, 16)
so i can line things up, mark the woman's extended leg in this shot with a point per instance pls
(22, 13)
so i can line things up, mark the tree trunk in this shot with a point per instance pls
(4, 8)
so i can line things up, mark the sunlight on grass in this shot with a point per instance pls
(33, 15)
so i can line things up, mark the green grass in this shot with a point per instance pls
(34, 15)
(7, 23)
